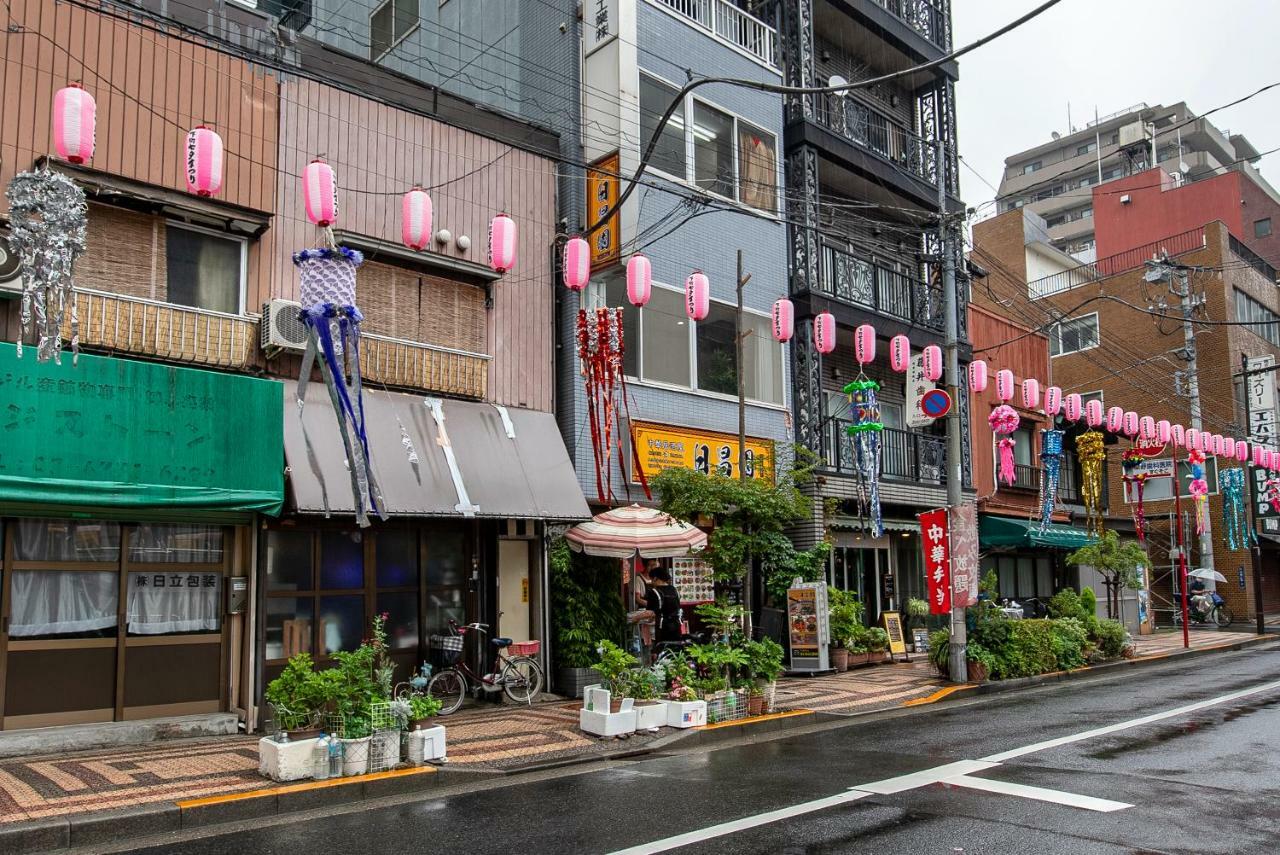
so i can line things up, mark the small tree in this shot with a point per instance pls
(1117, 562)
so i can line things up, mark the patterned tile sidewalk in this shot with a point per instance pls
(40, 787)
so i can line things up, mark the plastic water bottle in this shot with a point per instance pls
(335, 758)
(320, 759)
(283, 738)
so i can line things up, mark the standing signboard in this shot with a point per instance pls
(964, 555)
(917, 387)
(937, 559)
(1261, 403)
(893, 627)
(807, 625)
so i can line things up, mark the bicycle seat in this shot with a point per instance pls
(501, 642)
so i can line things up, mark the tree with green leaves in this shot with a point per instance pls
(1117, 562)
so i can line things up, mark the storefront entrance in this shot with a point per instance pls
(862, 571)
(104, 621)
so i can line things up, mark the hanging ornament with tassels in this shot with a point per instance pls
(1004, 421)
(600, 355)
(1091, 452)
(1050, 474)
(1231, 483)
(1135, 480)
(1199, 490)
(865, 431)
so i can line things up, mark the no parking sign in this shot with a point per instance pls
(935, 403)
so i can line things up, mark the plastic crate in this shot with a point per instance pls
(523, 648)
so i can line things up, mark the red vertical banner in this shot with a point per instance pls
(937, 559)
(963, 534)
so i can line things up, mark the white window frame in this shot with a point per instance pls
(244, 263)
(689, 179)
(395, 40)
(1055, 334)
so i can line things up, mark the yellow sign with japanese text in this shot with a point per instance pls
(602, 195)
(893, 626)
(660, 447)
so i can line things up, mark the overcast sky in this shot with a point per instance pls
(1013, 93)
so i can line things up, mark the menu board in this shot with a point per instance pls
(807, 625)
(693, 581)
(893, 626)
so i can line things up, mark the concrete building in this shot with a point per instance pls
(1057, 179)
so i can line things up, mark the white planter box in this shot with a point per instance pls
(286, 761)
(426, 744)
(596, 718)
(650, 715)
(686, 713)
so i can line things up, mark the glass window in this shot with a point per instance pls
(717, 359)
(63, 603)
(615, 294)
(166, 603)
(1006, 569)
(397, 555)
(1029, 168)
(446, 555)
(288, 628)
(441, 606)
(1073, 335)
(664, 330)
(389, 23)
(1044, 578)
(1024, 447)
(66, 540)
(401, 609)
(1262, 228)
(289, 561)
(669, 154)
(1086, 148)
(757, 168)
(763, 357)
(1261, 320)
(204, 270)
(341, 623)
(176, 544)
(1026, 576)
(341, 560)
(713, 150)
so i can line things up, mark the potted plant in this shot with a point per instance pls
(856, 644)
(877, 641)
(585, 607)
(299, 696)
(357, 733)
(764, 658)
(844, 617)
(614, 666)
(422, 708)
(645, 686)
(979, 661)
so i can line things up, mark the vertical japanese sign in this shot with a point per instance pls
(964, 554)
(937, 559)
(599, 24)
(1260, 390)
(602, 193)
(917, 386)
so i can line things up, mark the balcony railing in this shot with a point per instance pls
(927, 19)
(1026, 476)
(892, 140)
(1251, 258)
(730, 24)
(904, 455)
(850, 278)
(1112, 265)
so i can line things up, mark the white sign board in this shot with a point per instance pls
(1261, 392)
(599, 24)
(917, 385)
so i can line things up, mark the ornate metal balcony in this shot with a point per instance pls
(849, 277)
(860, 124)
(931, 20)
(904, 455)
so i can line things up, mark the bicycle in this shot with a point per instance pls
(519, 677)
(1218, 613)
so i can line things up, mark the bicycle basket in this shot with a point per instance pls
(445, 650)
(523, 648)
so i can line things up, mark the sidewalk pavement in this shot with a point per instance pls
(495, 739)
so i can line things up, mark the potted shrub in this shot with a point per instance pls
(764, 658)
(357, 733)
(645, 686)
(980, 662)
(859, 652)
(940, 651)
(298, 696)
(585, 607)
(844, 616)
(684, 709)
(877, 642)
(422, 708)
(614, 666)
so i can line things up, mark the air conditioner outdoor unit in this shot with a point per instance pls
(10, 269)
(281, 328)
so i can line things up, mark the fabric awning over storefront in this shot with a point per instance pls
(1005, 531)
(472, 459)
(117, 434)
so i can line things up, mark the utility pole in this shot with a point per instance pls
(959, 642)
(748, 581)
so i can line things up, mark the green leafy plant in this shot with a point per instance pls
(1066, 604)
(917, 610)
(613, 666)
(940, 649)
(1111, 637)
(1117, 562)
(764, 659)
(844, 616)
(644, 684)
(1069, 638)
(877, 640)
(423, 706)
(975, 652)
(299, 694)
(724, 620)
(585, 605)
(1089, 601)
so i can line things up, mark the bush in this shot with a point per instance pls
(940, 649)
(1029, 651)
(982, 656)
(1089, 602)
(844, 616)
(1066, 604)
(876, 640)
(1069, 641)
(1111, 637)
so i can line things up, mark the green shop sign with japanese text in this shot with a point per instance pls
(117, 433)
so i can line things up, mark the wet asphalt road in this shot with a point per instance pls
(1203, 781)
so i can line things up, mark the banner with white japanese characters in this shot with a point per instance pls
(937, 559)
(964, 555)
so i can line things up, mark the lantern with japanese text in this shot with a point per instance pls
(320, 193)
(1130, 424)
(415, 219)
(1259, 455)
(74, 124)
(784, 320)
(502, 243)
(1194, 442)
(1030, 393)
(1072, 407)
(1164, 431)
(824, 332)
(697, 296)
(1216, 445)
(977, 376)
(864, 344)
(1115, 419)
(1004, 384)
(900, 353)
(1093, 413)
(1242, 451)
(1178, 434)
(640, 285)
(204, 161)
(1053, 400)
(577, 264)
(1147, 427)
(931, 359)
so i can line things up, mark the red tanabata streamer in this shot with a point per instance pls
(600, 351)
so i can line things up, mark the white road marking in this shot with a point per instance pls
(1059, 797)
(924, 778)
(743, 824)
(1125, 725)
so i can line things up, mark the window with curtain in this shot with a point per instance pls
(66, 540)
(63, 603)
(176, 544)
(204, 270)
(757, 167)
(763, 358)
(174, 602)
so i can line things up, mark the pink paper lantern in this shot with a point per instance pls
(415, 219)
(784, 320)
(1115, 419)
(1164, 431)
(978, 376)
(204, 161)
(1130, 424)
(74, 124)
(900, 353)
(1004, 384)
(1147, 427)
(1193, 440)
(320, 193)
(824, 332)
(864, 344)
(1093, 413)
(697, 296)
(1273, 460)
(1218, 445)
(1179, 435)
(640, 285)
(1030, 393)
(1072, 406)
(502, 243)
(1259, 455)
(1053, 400)
(577, 264)
(932, 359)
(1242, 451)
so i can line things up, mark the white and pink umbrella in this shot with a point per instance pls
(635, 530)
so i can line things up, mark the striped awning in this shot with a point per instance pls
(626, 532)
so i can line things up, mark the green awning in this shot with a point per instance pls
(122, 434)
(1006, 531)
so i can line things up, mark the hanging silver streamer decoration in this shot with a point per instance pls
(47, 219)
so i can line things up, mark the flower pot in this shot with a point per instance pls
(650, 715)
(422, 723)
(303, 733)
(355, 755)
(755, 705)
(840, 659)
(977, 672)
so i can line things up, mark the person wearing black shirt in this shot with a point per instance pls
(663, 600)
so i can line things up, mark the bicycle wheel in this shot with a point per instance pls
(522, 679)
(1224, 616)
(448, 687)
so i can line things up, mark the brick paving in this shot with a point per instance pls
(483, 737)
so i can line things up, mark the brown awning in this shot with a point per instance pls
(472, 459)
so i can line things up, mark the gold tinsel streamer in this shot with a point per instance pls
(1092, 453)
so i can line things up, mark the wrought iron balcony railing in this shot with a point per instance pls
(872, 130)
(851, 278)
(930, 20)
(904, 455)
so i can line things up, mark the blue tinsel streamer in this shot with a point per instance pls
(1050, 473)
(1231, 483)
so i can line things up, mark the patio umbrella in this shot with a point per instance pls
(636, 530)
(1206, 573)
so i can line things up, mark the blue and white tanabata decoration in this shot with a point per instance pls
(1050, 473)
(1231, 482)
(865, 433)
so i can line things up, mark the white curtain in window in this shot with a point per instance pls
(67, 540)
(176, 544)
(59, 602)
(161, 603)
